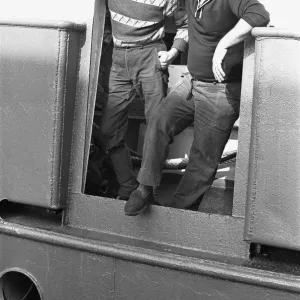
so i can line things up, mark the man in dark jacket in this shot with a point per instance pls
(208, 96)
(139, 63)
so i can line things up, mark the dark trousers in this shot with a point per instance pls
(134, 71)
(213, 109)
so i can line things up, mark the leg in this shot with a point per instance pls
(114, 124)
(216, 110)
(171, 117)
(151, 82)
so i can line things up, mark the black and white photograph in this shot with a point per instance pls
(149, 150)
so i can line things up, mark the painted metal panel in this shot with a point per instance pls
(86, 92)
(59, 273)
(67, 267)
(38, 70)
(137, 281)
(273, 201)
(222, 235)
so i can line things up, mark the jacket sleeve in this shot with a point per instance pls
(252, 11)
(176, 13)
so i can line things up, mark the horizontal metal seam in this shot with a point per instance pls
(155, 258)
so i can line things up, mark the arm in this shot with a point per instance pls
(176, 13)
(236, 35)
(252, 14)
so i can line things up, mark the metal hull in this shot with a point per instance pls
(74, 263)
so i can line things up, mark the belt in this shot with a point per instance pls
(197, 78)
(149, 44)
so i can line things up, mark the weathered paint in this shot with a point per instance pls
(218, 234)
(166, 254)
(38, 88)
(273, 180)
(69, 266)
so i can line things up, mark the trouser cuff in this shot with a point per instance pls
(149, 178)
(126, 188)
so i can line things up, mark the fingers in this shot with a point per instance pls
(163, 59)
(218, 71)
(162, 55)
(164, 63)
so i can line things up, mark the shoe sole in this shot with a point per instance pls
(137, 212)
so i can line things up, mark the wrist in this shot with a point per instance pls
(222, 45)
(173, 52)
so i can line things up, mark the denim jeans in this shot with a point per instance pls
(213, 109)
(134, 71)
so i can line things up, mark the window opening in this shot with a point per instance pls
(101, 179)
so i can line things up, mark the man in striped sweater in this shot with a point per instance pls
(139, 67)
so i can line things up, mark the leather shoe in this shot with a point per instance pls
(137, 203)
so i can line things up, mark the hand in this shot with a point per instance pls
(166, 57)
(217, 60)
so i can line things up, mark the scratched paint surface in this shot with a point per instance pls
(27, 111)
(274, 178)
(66, 274)
(35, 108)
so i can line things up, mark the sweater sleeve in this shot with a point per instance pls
(251, 11)
(175, 10)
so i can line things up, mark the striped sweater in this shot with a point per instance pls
(140, 22)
